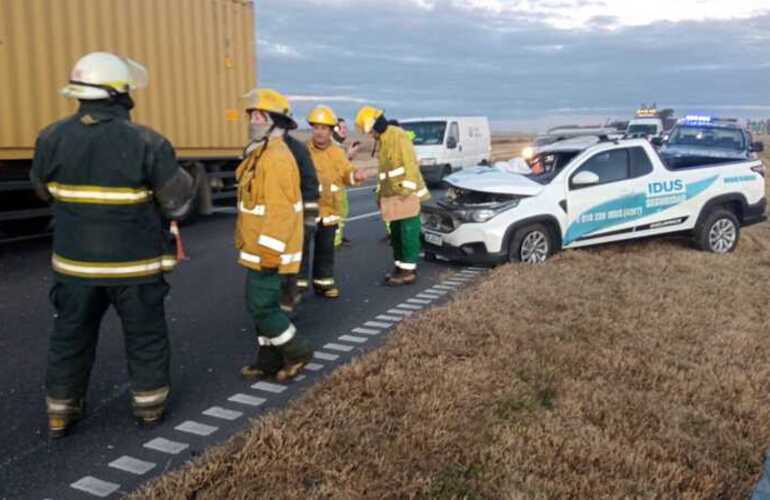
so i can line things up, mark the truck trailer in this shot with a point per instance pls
(201, 57)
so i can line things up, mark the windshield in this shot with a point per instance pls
(708, 137)
(642, 129)
(426, 133)
(546, 166)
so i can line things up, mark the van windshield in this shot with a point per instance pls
(426, 133)
(642, 129)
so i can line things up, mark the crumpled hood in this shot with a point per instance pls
(493, 180)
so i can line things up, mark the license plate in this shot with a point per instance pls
(434, 239)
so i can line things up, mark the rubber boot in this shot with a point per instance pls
(63, 414)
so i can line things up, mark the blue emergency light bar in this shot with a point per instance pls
(706, 121)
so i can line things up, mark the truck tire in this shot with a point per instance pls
(718, 231)
(532, 244)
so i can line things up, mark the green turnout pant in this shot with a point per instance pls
(72, 346)
(344, 212)
(405, 240)
(278, 342)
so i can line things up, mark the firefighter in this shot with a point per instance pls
(401, 188)
(269, 234)
(334, 173)
(295, 286)
(340, 135)
(112, 184)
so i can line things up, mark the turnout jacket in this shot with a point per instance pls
(109, 181)
(399, 173)
(269, 229)
(334, 173)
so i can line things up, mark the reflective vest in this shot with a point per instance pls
(101, 170)
(269, 229)
(399, 173)
(335, 172)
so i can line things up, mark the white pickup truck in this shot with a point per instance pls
(585, 195)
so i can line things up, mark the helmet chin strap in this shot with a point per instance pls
(122, 98)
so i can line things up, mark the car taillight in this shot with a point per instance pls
(759, 169)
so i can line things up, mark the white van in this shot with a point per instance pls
(449, 143)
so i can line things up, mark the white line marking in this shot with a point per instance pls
(444, 287)
(338, 347)
(192, 427)
(351, 338)
(453, 283)
(166, 446)
(440, 293)
(325, 356)
(268, 387)
(477, 269)
(300, 378)
(362, 188)
(410, 306)
(377, 324)
(429, 296)
(365, 331)
(132, 465)
(385, 317)
(95, 486)
(223, 413)
(400, 311)
(364, 216)
(245, 399)
(314, 367)
(419, 301)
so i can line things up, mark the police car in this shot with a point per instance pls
(699, 140)
(578, 196)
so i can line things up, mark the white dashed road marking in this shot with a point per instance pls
(365, 331)
(400, 311)
(96, 487)
(377, 324)
(166, 446)
(419, 301)
(268, 387)
(314, 367)
(410, 306)
(385, 317)
(338, 347)
(197, 428)
(325, 356)
(223, 413)
(245, 399)
(351, 338)
(132, 465)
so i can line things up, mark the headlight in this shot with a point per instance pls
(528, 153)
(481, 215)
(428, 162)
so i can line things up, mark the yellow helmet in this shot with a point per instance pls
(269, 101)
(322, 115)
(366, 117)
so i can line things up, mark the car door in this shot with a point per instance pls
(600, 209)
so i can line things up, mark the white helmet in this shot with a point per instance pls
(100, 75)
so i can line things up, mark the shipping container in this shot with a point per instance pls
(200, 54)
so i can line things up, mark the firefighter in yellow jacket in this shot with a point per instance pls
(334, 173)
(400, 185)
(269, 236)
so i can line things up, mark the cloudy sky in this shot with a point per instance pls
(524, 63)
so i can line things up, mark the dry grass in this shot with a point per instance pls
(634, 370)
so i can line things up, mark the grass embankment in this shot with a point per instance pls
(630, 370)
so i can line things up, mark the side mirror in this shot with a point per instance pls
(757, 147)
(656, 141)
(585, 178)
(451, 142)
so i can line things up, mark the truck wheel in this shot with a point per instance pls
(718, 232)
(532, 244)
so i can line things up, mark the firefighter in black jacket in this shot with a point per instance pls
(112, 184)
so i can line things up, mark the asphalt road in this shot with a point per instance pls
(211, 337)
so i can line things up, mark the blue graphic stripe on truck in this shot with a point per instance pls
(658, 198)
